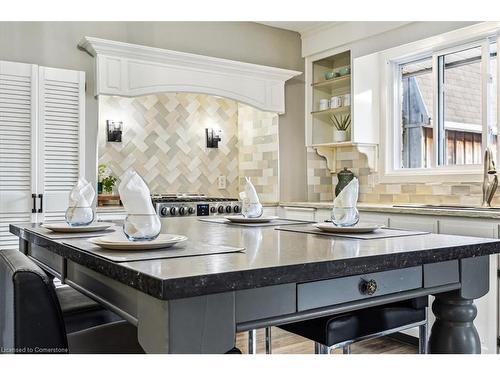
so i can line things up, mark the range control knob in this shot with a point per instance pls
(163, 211)
(228, 209)
(236, 209)
(220, 209)
(213, 209)
(191, 210)
(173, 211)
(182, 211)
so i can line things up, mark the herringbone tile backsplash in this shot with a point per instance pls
(164, 140)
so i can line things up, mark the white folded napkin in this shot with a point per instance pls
(348, 197)
(344, 212)
(250, 204)
(135, 194)
(250, 194)
(82, 194)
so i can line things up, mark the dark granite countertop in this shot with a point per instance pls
(272, 257)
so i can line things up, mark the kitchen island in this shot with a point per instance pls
(197, 304)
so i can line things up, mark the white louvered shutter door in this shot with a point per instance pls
(17, 145)
(61, 137)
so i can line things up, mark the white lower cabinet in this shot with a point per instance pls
(468, 227)
(270, 211)
(373, 218)
(111, 215)
(414, 222)
(322, 215)
(298, 213)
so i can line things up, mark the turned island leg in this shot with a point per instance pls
(453, 331)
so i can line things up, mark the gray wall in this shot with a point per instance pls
(54, 44)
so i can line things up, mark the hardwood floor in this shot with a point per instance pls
(287, 343)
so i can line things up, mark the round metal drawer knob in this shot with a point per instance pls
(369, 287)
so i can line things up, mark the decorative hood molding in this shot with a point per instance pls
(133, 70)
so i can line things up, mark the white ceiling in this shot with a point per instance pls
(299, 26)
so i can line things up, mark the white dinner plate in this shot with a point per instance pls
(250, 220)
(119, 243)
(66, 228)
(332, 228)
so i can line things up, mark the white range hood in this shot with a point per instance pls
(133, 70)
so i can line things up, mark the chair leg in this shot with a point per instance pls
(422, 339)
(346, 349)
(252, 341)
(321, 349)
(317, 348)
(268, 340)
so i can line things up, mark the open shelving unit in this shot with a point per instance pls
(332, 110)
(322, 88)
(319, 128)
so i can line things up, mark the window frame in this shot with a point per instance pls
(481, 35)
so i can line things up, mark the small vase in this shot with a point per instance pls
(99, 188)
(252, 210)
(79, 216)
(345, 216)
(145, 227)
(339, 135)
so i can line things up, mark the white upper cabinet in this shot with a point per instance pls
(17, 146)
(366, 99)
(61, 139)
(41, 143)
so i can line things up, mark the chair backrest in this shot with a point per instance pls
(31, 320)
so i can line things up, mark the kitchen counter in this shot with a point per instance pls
(197, 304)
(387, 208)
(362, 207)
(272, 257)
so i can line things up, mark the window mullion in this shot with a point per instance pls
(498, 101)
(438, 121)
(485, 87)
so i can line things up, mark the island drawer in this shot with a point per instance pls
(322, 293)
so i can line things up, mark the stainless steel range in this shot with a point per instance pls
(174, 205)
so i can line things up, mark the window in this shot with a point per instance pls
(441, 98)
(416, 113)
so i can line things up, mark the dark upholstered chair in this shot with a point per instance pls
(341, 330)
(36, 317)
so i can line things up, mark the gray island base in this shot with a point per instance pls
(197, 304)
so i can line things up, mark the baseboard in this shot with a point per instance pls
(404, 338)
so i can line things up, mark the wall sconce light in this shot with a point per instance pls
(115, 129)
(213, 137)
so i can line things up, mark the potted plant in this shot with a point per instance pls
(341, 124)
(106, 181)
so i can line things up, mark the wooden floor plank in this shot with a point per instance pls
(287, 343)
